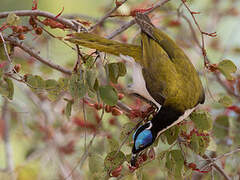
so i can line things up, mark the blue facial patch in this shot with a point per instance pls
(143, 139)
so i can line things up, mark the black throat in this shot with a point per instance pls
(164, 118)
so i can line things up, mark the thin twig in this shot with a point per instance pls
(5, 48)
(204, 52)
(39, 58)
(216, 166)
(132, 22)
(6, 139)
(67, 22)
(100, 21)
(227, 154)
(86, 152)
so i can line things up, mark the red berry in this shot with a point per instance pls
(112, 121)
(38, 30)
(32, 22)
(17, 67)
(98, 106)
(108, 108)
(116, 172)
(120, 96)
(116, 111)
(144, 157)
(192, 166)
(151, 154)
(21, 37)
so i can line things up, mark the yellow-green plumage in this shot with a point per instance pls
(170, 77)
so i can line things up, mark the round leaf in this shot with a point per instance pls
(202, 120)
(95, 163)
(113, 160)
(108, 95)
(227, 67)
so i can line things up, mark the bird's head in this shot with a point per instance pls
(143, 137)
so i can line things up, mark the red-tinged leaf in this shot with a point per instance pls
(116, 172)
(59, 14)
(117, 3)
(83, 22)
(68, 148)
(198, 170)
(151, 154)
(236, 109)
(81, 123)
(174, 23)
(3, 27)
(2, 127)
(135, 11)
(35, 5)
(193, 12)
(53, 24)
(2, 64)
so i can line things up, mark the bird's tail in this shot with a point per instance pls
(105, 45)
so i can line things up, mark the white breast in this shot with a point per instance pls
(138, 86)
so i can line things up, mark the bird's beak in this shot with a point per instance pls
(134, 159)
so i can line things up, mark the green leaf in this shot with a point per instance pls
(13, 19)
(91, 76)
(63, 83)
(113, 160)
(35, 82)
(113, 144)
(77, 87)
(202, 120)
(227, 67)
(10, 88)
(108, 95)
(179, 160)
(199, 144)
(221, 127)
(113, 72)
(175, 162)
(51, 84)
(89, 62)
(122, 70)
(126, 128)
(68, 109)
(7, 88)
(96, 85)
(172, 134)
(2, 50)
(95, 163)
(226, 101)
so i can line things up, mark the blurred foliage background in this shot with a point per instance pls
(47, 145)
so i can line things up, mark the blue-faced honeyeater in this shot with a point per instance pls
(162, 74)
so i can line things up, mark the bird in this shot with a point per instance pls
(162, 74)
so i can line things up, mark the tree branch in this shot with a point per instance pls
(39, 58)
(217, 167)
(132, 22)
(100, 21)
(6, 138)
(69, 23)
